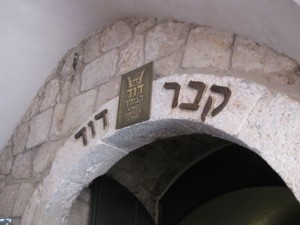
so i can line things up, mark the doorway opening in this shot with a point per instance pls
(178, 180)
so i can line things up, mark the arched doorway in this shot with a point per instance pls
(201, 179)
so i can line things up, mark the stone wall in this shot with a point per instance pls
(89, 75)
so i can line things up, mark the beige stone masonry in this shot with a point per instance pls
(87, 81)
(100, 70)
(164, 39)
(39, 128)
(253, 117)
(115, 35)
(208, 48)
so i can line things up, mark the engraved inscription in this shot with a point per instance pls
(83, 131)
(200, 87)
(135, 96)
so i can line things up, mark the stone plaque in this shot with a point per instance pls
(135, 96)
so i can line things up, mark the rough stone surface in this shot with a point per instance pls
(249, 56)
(78, 110)
(68, 68)
(100, 70)
(115, 35)
(6, 160)
(145, 25)
(208, 48)
(45, 156)
(57, 121)
(70, 87)
(39, 128)
(50, 93)
(108, 91)
(20, 138)
(92, 48)
(7, 199)
(22, 167)
(85, 195)
(24, 195)
(79, 214)
(32, 110)
(133, 55)
(168, 65)
(165, 39)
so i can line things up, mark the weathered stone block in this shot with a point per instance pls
(50, 93)
(133, 55)
(108, 91)
(78, 110)
(45, 156)
(164, 39)
(208, 48)
(7, 199)
(6, 160)
(24, 195)
(79, 214)
(32, 110)
(145, 25)
(168, 65)
(115, 35)
(39, 128)
(92, 48)
(20, 138)
(100, 70)
(57, 121)
(249, 56)
(23, 165)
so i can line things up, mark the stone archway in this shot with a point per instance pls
(265, 122)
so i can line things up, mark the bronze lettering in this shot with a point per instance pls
(82, 133)
(176, 87)
(102, 114)
(206, 109)
(92, 126)
(224, 91)
(194, 106)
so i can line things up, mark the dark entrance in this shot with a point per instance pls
(226, 184)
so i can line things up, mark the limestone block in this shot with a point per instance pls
(168, 65)
(92, 48)
(22, 167)
(20, 138)
(108, 91)
(145, 25)
(68, 67)
(39, 128)
(79, 214)
(79, 108)
(7, 199)
(50, 93)
(32, 110)
(273, 131)
(100, 70)
(115, 35)
(132, 56)
(45, 156)
(70, 87)
(249, 56)
(57, 121)
(164, 39)
(6, 160)
(208, 48)
(24, 195)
